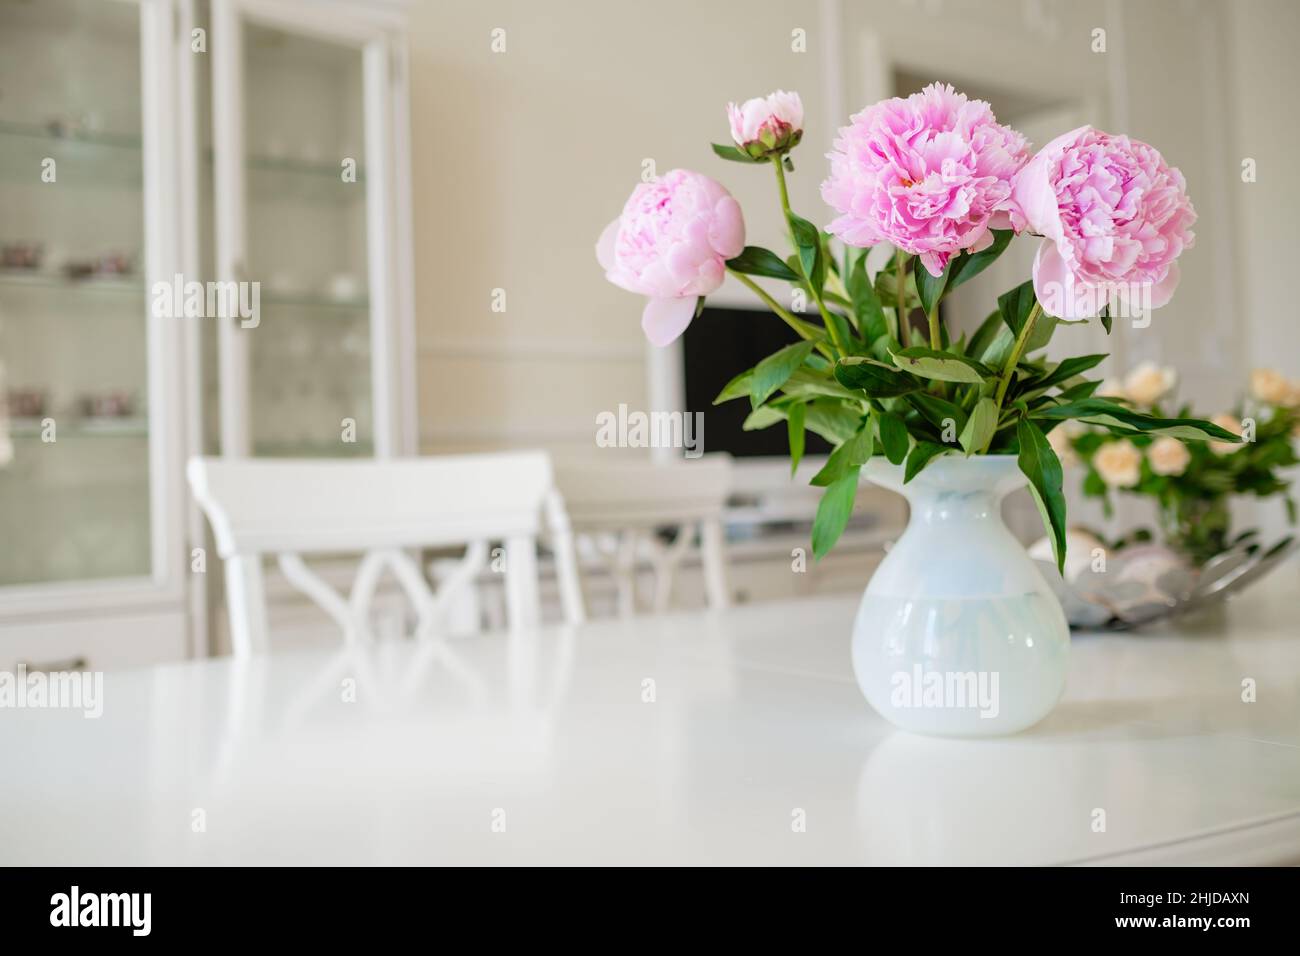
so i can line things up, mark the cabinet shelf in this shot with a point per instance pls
(37, 279)
(128, 285)
(313, 449)
(125, 427)
(323, 302)
(80, 158)
(115, 159)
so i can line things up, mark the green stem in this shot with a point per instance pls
(904, 330)
(936, 343)
(805, 330)
(831, 327)
(836, 283)
(1012, 360)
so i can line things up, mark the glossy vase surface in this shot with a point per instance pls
(958, 633)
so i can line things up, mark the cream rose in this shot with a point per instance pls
(1269, 386)
(1111, 388)
(1230, 423)
(1119, 463)
(1148, 383)
(1168, 456)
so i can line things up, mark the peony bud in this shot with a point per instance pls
(767, 125)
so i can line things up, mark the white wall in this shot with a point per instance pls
(1264, 74)
(522, 158)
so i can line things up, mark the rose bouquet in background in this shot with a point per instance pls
(1193, 484)
(938, 180)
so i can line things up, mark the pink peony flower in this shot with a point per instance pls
(930, 174)
(767, 125)
(1113, 217)
(671, 244)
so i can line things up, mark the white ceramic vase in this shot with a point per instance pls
(958, 633)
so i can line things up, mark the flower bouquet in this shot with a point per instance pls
(953, 421)
(1195, 555)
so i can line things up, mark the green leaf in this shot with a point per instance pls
(930, 288)
(1015, 306)
(866, 304)
(887, 288)
(798, 412)
(1044, 327)
(877, 379)
(984, 335)
(771, 373)
(841, 325)
(981, 425)
(757, 261)
(851, 454)
(938, 411)
(804, 381)
(943, 366)
(1043, 469)
(832, 420)
(1082, 390)
(1104, 315)
(733, 154)
(998, 350)
(893, 437)
(809, 240)
(920, 456)
(738, 387)
(833, 513)
(852, 256)
(1121, 418)
(969, 265)
(765, 416)
(1067, 370)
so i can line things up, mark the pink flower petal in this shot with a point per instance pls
(664, 320)
(727, 230)
(1055, 287)
(1163, 290)
(605, 246)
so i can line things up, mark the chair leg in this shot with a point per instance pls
(713, 553)
(246, 601)
(566, 560)
(625, 572)
(523, 606)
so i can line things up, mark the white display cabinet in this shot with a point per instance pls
(139, 140)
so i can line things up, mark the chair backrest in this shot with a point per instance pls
(629, 497)
(602, 493)
(289, 508)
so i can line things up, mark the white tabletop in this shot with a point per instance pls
(544, 748)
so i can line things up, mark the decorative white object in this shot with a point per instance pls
(958, 633)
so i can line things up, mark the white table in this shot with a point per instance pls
(756, 723)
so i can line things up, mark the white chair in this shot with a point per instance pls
(626, 501)
(290, 508)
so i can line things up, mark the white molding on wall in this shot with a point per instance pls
(514, 349)
(517, 434)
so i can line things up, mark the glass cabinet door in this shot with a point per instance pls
(300, 379)
(75, 500)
